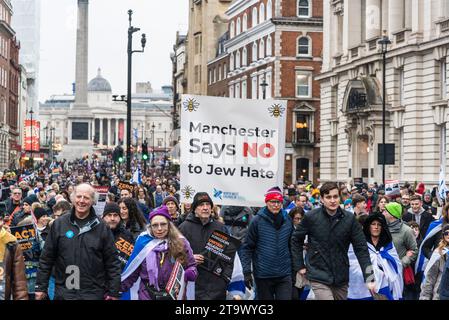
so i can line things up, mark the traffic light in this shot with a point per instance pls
(145, 151)
(117, 154)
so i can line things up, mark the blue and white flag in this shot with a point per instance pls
(387, 270)
(137, 177)
(135, 134)
(237, 284)
(421, 260)
(290, 207)
(442, 189)
(143, 246)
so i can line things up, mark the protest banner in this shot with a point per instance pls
(101, 203)
(219, 254)
(126, 186)
(176, 286)
(124, 250)
(26, 237)
(232, 149)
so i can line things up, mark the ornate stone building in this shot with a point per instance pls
(416, 89)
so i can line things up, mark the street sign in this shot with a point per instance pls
(389, 156)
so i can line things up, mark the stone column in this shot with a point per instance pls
(82, 34)
(101, 131)
(109, 132)
(384, 13)
(116, 131)
(372, 20)
(395, 16)
(93, 130)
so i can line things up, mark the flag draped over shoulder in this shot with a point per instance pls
(137, 177)
(421, 260)
(387, 270)
(144, 244)
(442, 189)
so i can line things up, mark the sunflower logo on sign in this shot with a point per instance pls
(188, 192)
(276, 110)
(190, 105)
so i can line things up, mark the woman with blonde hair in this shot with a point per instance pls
(435, 268)
(154, 257)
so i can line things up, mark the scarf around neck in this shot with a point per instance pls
(152, 263)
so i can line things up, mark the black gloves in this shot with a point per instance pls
(248, 280)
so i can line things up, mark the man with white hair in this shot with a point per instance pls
(80, 247)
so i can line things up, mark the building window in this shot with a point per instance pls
(232, 30)
(231, 91)
(214, 75)
(303, 46)
(159, 142)
(261, 88)
(254, 87)
(197, 74)
(159, 126)
(210, 76)
(219, 73)
(268, 92)
(443, 81)
(245, 22)
(303, 84)
(198, 43)
(231, 62)
(225, 72)
(269, 47)
(244, 57)
(237, 90)
(269, 10)
(262, 49)
(244, 89)
(239, 25)
(254, 51)
(237, 60)
(262, 13)
(254, 17)
(303, 8)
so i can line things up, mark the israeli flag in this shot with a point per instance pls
(143, 246)
(421, 260)
(387, 270)
(135, 134)
(237, 284)
(290, 207)
(137, 177)
(442, 189)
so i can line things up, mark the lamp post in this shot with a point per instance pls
(46, 135)
(264, 85)
(384, 42)
(131, 30)
(31, 138)
(152, 149)
(52, 137)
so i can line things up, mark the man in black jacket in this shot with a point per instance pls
(197, 228)
(81, 249)
(417, 213)
(330, 231)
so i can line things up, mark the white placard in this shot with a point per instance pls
(233, 149)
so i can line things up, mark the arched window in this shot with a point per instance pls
(262, 13)
(262, 49)
(245, 22)
(237, 60)
(254, 51)
(304, 47)
(231, 30)
(303, 8)
(237, 32)
(231, 62)
(254, 17)
(244, 57)
(269, 10)
(269, 48)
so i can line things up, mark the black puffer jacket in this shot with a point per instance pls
(328, 243)
(237, 220)
(90, 249)
(207, 286)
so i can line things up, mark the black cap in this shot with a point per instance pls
(199, 198)
(111, 207)
(39, 213)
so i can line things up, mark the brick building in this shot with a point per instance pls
(9, 88)
(277, 43)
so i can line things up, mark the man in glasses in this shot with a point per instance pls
(266, 248)
(13, 205)
(330, 231)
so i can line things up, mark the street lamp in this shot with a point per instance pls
(46, 135)
(52, 138)
(31, 152)
(384, 42)
(264, 85)
(152, 151)
(131, 30)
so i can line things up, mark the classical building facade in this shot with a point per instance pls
(416, 89)
(206, 25)
(151, 118)
(273, 50)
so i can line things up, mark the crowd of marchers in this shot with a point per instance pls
(325, 242)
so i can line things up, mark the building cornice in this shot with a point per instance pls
(7, 28)
(239, 6)
(294, 21)
(220, 57)
(249, 36)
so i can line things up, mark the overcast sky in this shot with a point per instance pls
(108, 25)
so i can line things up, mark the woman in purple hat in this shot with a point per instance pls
(154, 263)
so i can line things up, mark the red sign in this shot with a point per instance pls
(32, 137)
